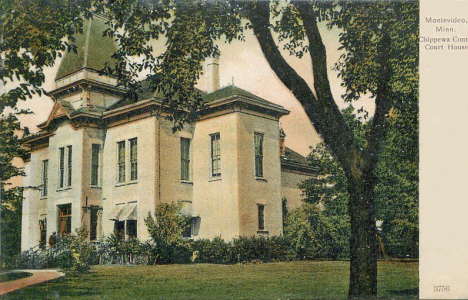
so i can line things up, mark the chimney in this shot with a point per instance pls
(212, 73)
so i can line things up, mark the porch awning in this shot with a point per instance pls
(116, 212)
(129, 212)
(187, 209)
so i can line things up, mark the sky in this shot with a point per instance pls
(244, 63)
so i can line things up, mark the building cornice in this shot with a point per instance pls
(297, 168)
(79, 85)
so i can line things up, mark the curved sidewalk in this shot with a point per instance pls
(38, 276)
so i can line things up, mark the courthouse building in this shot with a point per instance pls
(104, 163)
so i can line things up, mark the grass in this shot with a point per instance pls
(285, 280)
(13, 276)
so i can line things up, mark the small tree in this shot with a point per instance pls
(166, 230)
(299, 233)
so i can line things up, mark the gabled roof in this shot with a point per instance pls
(59, 110)
(93, 50)
(63, 108)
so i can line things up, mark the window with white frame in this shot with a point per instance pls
(184, 159)
(45, 177)
(121, 161)
(64, 219)
(127, 158)
(258, 144)
(61, 167)
(69, 165)
(65, 167)
(133, 159)
(215, 155)
(95, 153)
(261, 217)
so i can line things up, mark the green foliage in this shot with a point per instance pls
(299, 232)
(33, 35)
(396, 192)
(166, 231)
(215, 251)
(71, 253)
(10, 225)
(11, 197)
(371, 32)
(115, 249)
(259, 248)
(313, 234)
(244, 249)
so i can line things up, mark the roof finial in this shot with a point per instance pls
(232, 82)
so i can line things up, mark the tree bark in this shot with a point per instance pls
(363, 240)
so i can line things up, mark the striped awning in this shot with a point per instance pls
(116, 212)
(129, 212)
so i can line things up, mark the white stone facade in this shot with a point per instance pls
(225, 205)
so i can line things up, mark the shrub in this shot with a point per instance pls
(166, 231)
(259, 248)
(299, 233)
(215, 251)
(312, 234)
(32, 259)
(242, 250)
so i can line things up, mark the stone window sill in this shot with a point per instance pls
(126, 183)
(261, 179)
(262, 231)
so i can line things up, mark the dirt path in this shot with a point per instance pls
(38, 276)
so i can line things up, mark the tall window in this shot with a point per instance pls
(121, 161)
(61, 166)
(133, 159)
(119, 228)
(261, 217)
(64, 220)
(215, 155)
(95, 150)
(45, 177)
(132, 229)
(69, 165)
(93, 223)
(184, 159)
(258, 142)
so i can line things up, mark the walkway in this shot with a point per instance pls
(38, 276)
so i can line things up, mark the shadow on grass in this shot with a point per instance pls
(404, 294)
(58, 288)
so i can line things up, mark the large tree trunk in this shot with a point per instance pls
(363, 242)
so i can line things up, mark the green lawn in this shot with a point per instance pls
(8, 276)
(286, 280)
